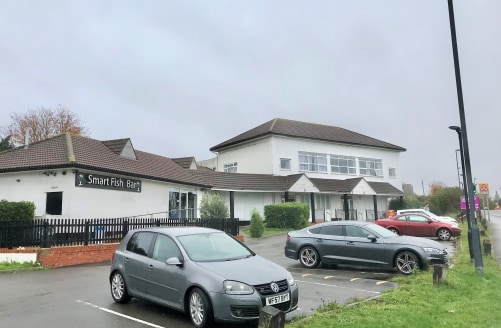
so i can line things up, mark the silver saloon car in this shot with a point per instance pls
(200, 271)
(360, 243)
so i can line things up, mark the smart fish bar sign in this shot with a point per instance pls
(90, 180)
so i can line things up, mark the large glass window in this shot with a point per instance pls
(140, 243)
(312, 162)
(230, 168)
(370, 167)
(343, 164)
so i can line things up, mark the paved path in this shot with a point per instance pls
(495, 226)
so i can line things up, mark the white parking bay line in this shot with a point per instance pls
(120, 314)
(336, 286)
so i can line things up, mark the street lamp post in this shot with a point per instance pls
(457, 166)
(475, 235)
(470, 246)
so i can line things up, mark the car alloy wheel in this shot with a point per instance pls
(119, 288)
(308, 256)
(444, 234)
(200, 308)
(406, 262)
(395, 231)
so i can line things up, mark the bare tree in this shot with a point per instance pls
(43, 123)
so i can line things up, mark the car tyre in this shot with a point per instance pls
(200, 309)
(119, 288)
(406, 262)
(394, 231)
(309, 258)
(444, 234)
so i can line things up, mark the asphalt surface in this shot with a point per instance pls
(495, 226)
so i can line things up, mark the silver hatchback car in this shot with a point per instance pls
(200, 271)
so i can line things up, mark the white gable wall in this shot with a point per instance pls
(252, 157)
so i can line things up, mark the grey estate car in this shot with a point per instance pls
(200, 271)
(361, 243)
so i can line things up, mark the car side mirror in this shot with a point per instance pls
(372, 237)
(174, 261)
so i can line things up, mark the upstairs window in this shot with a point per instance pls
(230, 168)
(392, 172)
(285, 164)
(312, 162)
(343, 164)
(370, 167)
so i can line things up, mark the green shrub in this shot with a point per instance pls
(287, 215)
(256, 224)
(213, 206)
(16, 210)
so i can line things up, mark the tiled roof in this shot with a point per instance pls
(116, 146)
(184, 162)
(247, 181)
(383, 188)
(297, 129)
(81, 152)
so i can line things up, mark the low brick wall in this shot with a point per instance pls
(68, 255)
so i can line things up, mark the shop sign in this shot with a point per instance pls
(90, 180)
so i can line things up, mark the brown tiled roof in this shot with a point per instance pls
(116, 146)
(81, 152)
(297, 129)
(347, 186)
(247, 181)
(383, 188)
(184, 162)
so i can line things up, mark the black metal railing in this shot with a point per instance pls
(69, 232)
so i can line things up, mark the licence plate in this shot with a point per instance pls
(277, 299)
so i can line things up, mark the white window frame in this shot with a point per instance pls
(230, 167)
(286, 161)
(340, 164)
(312, 162)
(370, 167)
(392, 172)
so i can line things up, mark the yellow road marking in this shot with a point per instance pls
(354, 279)
(328, 277)
(381, 282)
(306, 274)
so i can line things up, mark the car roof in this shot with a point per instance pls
(342, 222)
(178, 231)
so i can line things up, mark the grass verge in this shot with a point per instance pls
(466, 299)
(15, 266)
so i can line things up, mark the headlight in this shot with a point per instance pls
(432, 250)
(290, 279)
(237, 288)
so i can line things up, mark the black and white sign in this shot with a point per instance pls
(90, 180)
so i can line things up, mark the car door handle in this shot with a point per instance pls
(319, 240)
(126, 259)
(350, 243)
(150, 266)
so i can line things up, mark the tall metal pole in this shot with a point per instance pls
(467, 202)
(457, 166)
(475, 235)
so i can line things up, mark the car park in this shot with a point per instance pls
(419, 225)
(362, 243)
(430, 214)
(200, 271)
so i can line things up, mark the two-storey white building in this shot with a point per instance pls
(345, 174)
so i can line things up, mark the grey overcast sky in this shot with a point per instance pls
(178, 77)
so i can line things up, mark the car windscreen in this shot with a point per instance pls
(213, 247)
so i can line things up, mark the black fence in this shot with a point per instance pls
(70, 232)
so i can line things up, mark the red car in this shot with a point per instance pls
(415, 224)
